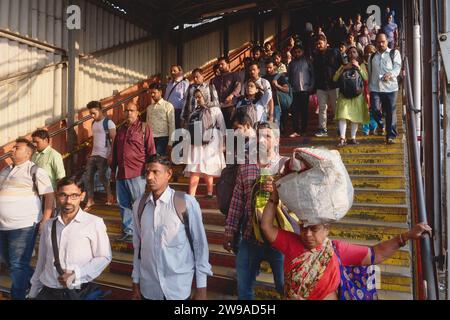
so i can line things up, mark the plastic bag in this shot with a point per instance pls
(319, 189)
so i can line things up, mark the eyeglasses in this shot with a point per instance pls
(73, 196)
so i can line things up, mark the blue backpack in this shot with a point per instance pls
(355, 280)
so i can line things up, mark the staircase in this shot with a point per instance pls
(380, 212)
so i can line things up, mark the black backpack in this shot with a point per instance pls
(351, 83)
(201, 116)
(225, 187)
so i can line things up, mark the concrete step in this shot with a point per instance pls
(380, 196)
(376, 170)
(378, 181)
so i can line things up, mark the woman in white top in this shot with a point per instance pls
(207, 160)
(252, 96)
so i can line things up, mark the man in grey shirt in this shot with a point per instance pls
(301, 77)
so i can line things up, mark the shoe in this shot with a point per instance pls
(210, 196)
(125, 237)
(294, 135)
(341, 143)
(321, 133)
(390, 141)
(381, 132)
(353, 141)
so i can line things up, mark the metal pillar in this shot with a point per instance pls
(431, 128)
(180, 45)
(72, 90)
(165, 63)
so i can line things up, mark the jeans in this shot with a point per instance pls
(161, 145)
(100, 165)
(16, 249)
(248, 262)
(326, 98)
(300, 106)
(128, 191)
(388, 101)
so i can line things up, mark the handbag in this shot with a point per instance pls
(285, 99)
(357, 282)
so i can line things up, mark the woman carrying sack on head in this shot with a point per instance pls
(351, 103)
(317, 268)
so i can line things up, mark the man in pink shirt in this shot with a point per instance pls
(133, 144)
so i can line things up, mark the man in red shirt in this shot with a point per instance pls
(133, 144)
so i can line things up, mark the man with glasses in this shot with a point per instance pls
(239, 225)
(83, 243)
(168, 252)
(133, 144)
(21, 186)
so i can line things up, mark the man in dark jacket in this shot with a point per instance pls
(326, 62)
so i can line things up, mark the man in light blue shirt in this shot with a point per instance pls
(166, 257)
(176, 92)
(384, 68)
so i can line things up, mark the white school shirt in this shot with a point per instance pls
(83, 247)
(167, 264)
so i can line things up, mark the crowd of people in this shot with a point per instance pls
(166, 228)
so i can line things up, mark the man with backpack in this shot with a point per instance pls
(74, 249)
(103, 135)
(133, 144)
(170, 245)
(384, 68)
(326, 62)
(301, 77)
(161, 118)
(23, 188)
(239, 232)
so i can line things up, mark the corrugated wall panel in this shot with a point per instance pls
(202, 50)
(286, 20)
(117, 70)
(270, 29)
(240, 33)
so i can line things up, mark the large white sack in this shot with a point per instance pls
(321, 193)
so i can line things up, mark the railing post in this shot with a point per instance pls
(72, 90)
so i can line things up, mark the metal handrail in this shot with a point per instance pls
(86, 118)
(427, 257)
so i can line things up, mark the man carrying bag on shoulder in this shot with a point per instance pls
(74, 249)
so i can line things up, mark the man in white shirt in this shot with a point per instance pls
(21, 186)
(84, 248)
(161, 118)
(103, 133)
(384, 68)
(265, 87)
(166, 257)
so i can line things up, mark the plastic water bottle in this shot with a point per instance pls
(262, 196)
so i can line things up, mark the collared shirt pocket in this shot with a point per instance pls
(174, 235)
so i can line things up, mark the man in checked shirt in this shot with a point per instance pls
(239, 220)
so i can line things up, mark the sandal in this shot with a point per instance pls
(353, 141)
(341, 143)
